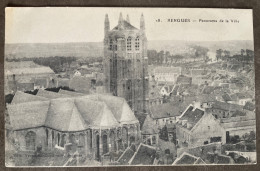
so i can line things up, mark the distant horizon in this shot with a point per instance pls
(147, 40)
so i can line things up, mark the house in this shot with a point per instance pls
(206, 100)
(188, 159)
(166, 113)
(237, 126)
(166, 90)
(197, 127)
(150, 132)
(202, 151)
(167, 74)
(144, 155)
(184, 80)
(81, 84)
(241, 98)
(219, 159)
(77, 73)
(154, 95)
(198, 72)
(25, 75)
(223, 110)
(249, 156)
(249, 106)
(126, 156)
(171, 129)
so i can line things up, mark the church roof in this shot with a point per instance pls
(21, 97)
(50, 94)
(72, 113)
(125, 26)
(70, 93)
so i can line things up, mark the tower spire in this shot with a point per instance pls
(142, 23)
(120, 21)
(127, 18)
(107, 24)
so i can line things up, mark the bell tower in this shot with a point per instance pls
(125, 62)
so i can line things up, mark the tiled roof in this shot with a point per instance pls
(192, 116)
(167, 70)
(166, 110)
(28, 115)
(206, 98)
(145, 155)
(226, 97)
(149, 126)
(37, 70)
(184, 79)
(249, 106)
(125, 26)
(226, 106)
(126, 156)
(208, 90)
(21, 64)
(80, 84)
(175, 90)
(21, 97)
(238, 124)
(219, 159)
(198, 72)
(72, 113)
(186, 159)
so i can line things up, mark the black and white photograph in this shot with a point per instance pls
(113, 86)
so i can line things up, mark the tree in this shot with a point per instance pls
(242, 52)
(219, 54)
(163, 134)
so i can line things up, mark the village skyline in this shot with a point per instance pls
(129, 100)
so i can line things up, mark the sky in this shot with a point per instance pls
(86, 24)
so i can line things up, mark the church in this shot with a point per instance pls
(94, 124)
(125, 62)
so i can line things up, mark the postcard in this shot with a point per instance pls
(94, 87)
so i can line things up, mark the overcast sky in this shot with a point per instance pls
(67, 24)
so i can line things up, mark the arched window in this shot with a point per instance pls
(81, 140)
(137, 43)
(52, 138)
(30, 140)
(110, 44)
(129, 44)
(58, 138)
(63, 140)
(47, 137)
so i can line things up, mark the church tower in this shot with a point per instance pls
(125, 62)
